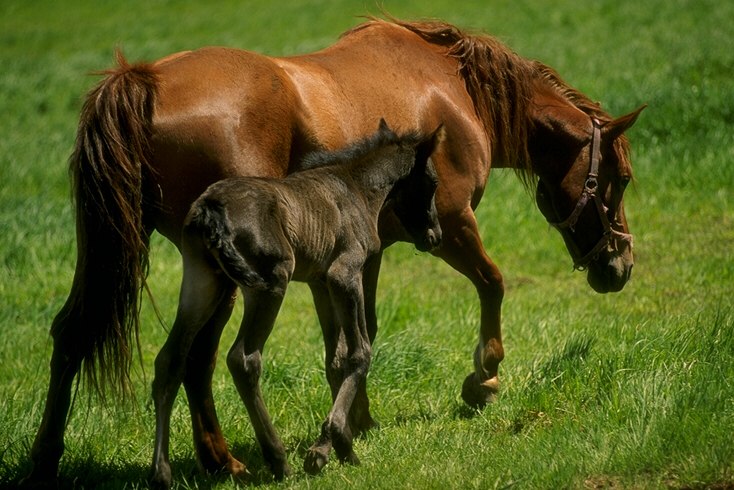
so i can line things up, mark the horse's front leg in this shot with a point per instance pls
(348, 303)
(245, 364)
(462, 249)
(212, 453)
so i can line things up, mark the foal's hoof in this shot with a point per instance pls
(160, 477)
(281, 471)
(33, 483)
(478, 395)
(350, 458)
(362, 424)
(159, 483)
(316, 459)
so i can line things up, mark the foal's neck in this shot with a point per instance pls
(377, 178)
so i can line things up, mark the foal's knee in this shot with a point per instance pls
(244, 368)
(360, 359)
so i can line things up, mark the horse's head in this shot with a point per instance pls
(413, 199)
(583, 170)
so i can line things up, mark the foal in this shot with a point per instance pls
(317, 226)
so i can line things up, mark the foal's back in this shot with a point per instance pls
(270, 231)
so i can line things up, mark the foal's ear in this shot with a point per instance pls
(383, 126)
(614, 129)
(429, 144)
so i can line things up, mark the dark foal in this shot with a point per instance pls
(318, 226)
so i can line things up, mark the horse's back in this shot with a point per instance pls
(225, 112)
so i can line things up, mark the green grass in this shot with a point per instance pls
(632, 390)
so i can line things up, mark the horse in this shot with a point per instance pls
(153, 136)
(318, 226)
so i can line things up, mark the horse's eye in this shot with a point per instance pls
(624, 181)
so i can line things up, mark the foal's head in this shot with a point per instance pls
(413, 197)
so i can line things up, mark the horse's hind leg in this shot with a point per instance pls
(202, 291)
(462, 249)
(245, 363)
(212, 453)
(49, 443)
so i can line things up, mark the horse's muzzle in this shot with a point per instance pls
(610, 271)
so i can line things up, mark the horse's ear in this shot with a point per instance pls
(429, 144)
(614, 129)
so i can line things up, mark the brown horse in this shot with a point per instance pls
(153, 136)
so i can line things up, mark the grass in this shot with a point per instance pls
(632, 390)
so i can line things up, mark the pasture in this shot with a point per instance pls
(630, 390)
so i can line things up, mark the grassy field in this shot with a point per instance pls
(631, 390)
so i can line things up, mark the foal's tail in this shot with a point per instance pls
(208, 222)
(112, 154)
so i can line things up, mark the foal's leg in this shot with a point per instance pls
(202, 292)
(462, 249)
(348, 304)
(245, 363)
(212, 453)
(360, 419)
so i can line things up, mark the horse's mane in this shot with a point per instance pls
(499, 82)
(359, 149)
(581, 101)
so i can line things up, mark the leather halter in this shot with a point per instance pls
(591, 187)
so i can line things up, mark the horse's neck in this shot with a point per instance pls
(549, 115)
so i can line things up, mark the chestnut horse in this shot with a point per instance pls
(153, 136)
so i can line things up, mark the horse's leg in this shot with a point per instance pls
(348, 303)
(360, 419)
(212, 453)
(245, 363)
(462, 249)
(48, 446)
(202, 292)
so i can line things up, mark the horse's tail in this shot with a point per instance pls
(208, 222)
(100, 320)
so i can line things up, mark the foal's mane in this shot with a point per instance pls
(500, 84)
(359, 149)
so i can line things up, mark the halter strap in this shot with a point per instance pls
(590, 192)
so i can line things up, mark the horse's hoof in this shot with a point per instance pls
(238, 471)
(316, 459)
(479, 395)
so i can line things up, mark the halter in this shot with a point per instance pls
(590, 192)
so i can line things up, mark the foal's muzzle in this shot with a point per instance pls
(430, 241)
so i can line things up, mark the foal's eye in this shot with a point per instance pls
(624, 180)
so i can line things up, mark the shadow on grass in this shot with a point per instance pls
(88, 472)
